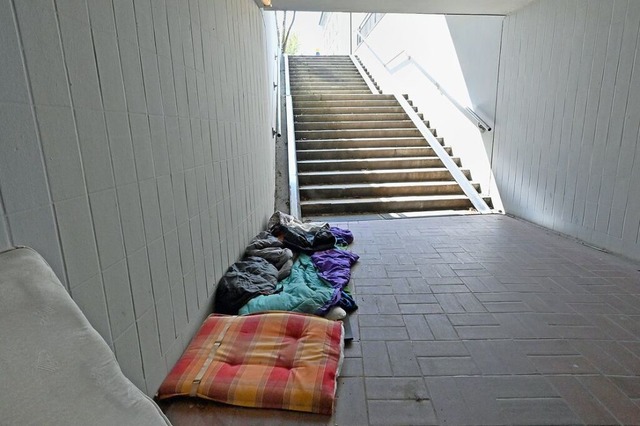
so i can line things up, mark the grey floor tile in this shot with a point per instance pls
(412, 388)
(406, 412)
(552, 411)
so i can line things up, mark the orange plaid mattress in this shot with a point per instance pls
(279, 360)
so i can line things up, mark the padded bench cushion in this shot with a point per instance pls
(55, 369)
(279, 360)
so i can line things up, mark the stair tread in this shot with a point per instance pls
(346, 140)
(368, 149)
(386, 199)
(364, 160)
(372, 122)
(381, 185)
(379, 171)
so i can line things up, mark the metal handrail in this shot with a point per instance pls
(478, 202)
(470, 114)
(278, 86)
(294, 195)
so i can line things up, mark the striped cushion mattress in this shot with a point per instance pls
(280, 360)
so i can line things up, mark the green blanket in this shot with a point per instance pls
(302, 291)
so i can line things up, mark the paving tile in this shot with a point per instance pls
(390, 413)
(523, 326)
(546, 347)
(352, 367)
(352, 349)
(418, 285)
(351, 402)
(376, 359)
(621, 353)
(448, 366)
(473, 319)
(416, 298)
(506, 307)
(482, 332)
(563, 364)
(383, 333)
(441, 327)
(439, 349)
(417, 327)
(600, 358)
(553, 411)
(499, 357)
(403, 360)
(585, 405)
(623, 408)
(478, 407)
(443, 281)
(411, 388)
(420, 308)
(609, 327)
(519, 386)
(629, 385)
(381, 320)
(453, 288)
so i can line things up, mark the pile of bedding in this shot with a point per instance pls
(261, 358)
(268, 278)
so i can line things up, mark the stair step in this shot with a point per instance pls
(372, 164)
(346, 125)
(362, 143)
(319, 58)
(319, 65)
(319, 97)
(343, 102)
(386, 204)
(324, 80)
(311, 88)
(386, 189)
(318, 84)
(346, 110)
(332, 91)
(358, 133)
(382, 152)
(376, 176)
(328, 73)
(315, 62)
(319, 118)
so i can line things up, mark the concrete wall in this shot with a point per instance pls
(566, 153)
(462, 54)
(136, 156)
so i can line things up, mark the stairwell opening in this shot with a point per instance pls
(359, 153)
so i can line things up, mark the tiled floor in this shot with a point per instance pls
(478, 320)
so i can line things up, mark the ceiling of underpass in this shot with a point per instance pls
(450, 7)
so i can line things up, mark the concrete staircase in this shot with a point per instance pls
(359, 152)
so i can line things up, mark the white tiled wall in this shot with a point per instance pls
(136, 156)
(566, 147)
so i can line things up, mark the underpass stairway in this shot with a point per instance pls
(359, 152)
